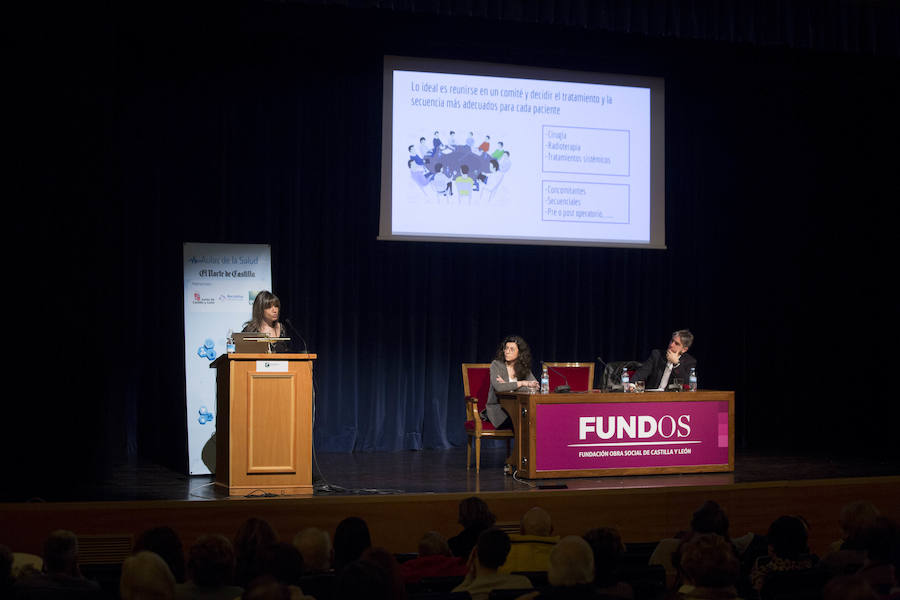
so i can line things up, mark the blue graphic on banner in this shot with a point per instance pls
(205, 416)
(207, 349)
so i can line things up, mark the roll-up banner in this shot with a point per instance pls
(220, 283)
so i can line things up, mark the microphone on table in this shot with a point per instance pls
(297, 333)
(564, 388)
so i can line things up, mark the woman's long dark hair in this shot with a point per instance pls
(522, 366)
(264, 299)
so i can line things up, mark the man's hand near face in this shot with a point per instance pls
(673, 356)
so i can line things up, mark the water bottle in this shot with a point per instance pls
(625, 379)
(545, 381)
(229, 343)
(692, 380)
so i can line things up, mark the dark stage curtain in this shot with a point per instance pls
(866, 26)
(262, 124)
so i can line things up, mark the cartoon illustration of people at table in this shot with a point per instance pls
(452, 172)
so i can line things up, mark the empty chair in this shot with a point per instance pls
(476, 383)
(579, 376)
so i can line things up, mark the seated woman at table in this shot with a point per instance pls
(266, 310)
(510, 371)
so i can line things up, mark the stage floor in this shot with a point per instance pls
(444, 471)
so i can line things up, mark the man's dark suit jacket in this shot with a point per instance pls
(652, 370)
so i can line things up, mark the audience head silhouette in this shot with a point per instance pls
(787, 536)
(315, 546)
(708, 560)
(493, 548)
(536, 522)
(211, 561)
(61, 553)
(252, 537)
(362, 579)
(166, 543)
(571, 563)
(146, 576)
(474, 512)
(283, 562)
(855, 517)
(607, 546)
(351, 538)
(433, 544)
(710, 518)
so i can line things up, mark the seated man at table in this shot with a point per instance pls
(659, 371)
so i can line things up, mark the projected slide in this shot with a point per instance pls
(504, 158)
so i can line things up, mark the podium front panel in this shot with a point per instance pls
(272, 427)
(264, 439)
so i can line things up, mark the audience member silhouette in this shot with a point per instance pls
(882, 548)
(787, 550)
(351, 538)
(486, 558)
(709, 568)
(854, 517)
(607, 546)
(847, 555)
(709, 518)
(571, 571)
(362, 579)
(62, 576)
(531, 547)
(315, 546)
(283, 562)
(385, 561)
(475, 517)
(267, 587)
(434, 560)
(848, 587)
(252, 536)
(210, 570)
(164, 542)
(146, 576)
(6, 578)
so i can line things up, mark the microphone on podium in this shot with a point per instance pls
(564, 388)
(297, 333)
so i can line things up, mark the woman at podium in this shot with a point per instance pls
(266, 310)
(510, 370)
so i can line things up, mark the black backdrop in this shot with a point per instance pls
(138, 131)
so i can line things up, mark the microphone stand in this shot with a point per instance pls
(564, 388)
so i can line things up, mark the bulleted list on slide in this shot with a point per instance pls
(585, 151)
(584, 202)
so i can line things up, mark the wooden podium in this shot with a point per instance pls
(264, 423)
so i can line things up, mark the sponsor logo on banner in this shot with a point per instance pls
(628, 435)
(198, 299)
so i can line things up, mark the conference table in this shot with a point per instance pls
(590, 434)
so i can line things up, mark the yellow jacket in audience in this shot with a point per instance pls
(529, 553)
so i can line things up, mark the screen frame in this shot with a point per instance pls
(656, 86)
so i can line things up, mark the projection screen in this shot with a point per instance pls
(489, 153)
